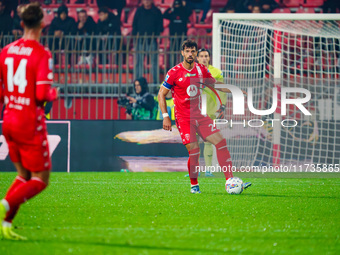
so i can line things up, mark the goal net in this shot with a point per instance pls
(269, 53)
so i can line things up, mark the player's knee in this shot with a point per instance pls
(44, 176)
(221, 144)
(47, 182)
(25, 176)
(194, 154)
(22, 172)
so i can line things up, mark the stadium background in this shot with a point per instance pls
(154, 213)
(90, 90)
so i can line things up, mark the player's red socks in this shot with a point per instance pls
(17, 181)
(24, 192)
(224, 159)
(193, 161)
(13, 210)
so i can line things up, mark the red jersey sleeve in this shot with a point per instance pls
(169, 79)
(44, 80)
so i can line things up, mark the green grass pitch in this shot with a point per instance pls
(154, 213)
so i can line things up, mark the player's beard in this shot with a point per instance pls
(189, 61)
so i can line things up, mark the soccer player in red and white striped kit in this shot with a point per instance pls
(25, 85)
(184, 82)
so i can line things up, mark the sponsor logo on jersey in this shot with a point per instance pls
(192, 90)
(190, 75)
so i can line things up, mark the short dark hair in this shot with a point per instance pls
(32, 15)
(189, 44)
(82, 11)
(201, 50)
(103, 9)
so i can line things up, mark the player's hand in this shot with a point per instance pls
(244, 92)
(167, 124)
(220, 112)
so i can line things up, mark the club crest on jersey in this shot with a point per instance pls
(190, 75)
(192, 90)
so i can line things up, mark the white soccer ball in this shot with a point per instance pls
(234, 186)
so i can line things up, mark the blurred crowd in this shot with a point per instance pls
(146, 19)
(118, 18)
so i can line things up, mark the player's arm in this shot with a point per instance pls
(163, 91)
(212, 85)
(220, 89)
(44, 91)
(1, 88)
(210, 82)
(227, 90)
(220, 112)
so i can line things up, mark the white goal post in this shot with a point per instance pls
(269, 52)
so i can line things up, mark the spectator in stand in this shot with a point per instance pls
(233, 6)
(109, 25)
(148, 21)
(204, 5)
(331, 6)
(6, 21)
(230, 9)
(11, 5)
(17, 28)
(85, 24)
(143, 105)
(256, 9)
(266, 6)
(116, 5)
(62, 24)
(178, 15)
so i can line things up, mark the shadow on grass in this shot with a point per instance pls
(287, 196)
(272, 195)
(126, 245)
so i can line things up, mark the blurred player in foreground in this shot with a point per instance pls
(184, 80)
(25, 85)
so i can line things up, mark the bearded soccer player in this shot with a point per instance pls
(25, 85)
(184, 81)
